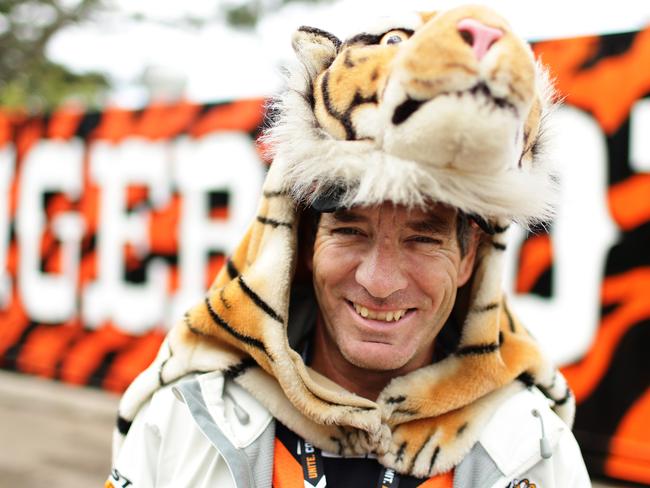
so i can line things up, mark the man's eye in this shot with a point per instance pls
(347, 231)
(425, 240)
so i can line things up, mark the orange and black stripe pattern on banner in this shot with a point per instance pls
(66, 347)
(606, 77)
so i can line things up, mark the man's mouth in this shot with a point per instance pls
(384, 316)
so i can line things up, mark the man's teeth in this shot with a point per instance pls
(392, 316)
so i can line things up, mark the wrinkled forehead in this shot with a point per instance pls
(435, 217)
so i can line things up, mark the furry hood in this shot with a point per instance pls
(368, 120)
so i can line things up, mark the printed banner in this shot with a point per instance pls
(593, 266)
(112, 224)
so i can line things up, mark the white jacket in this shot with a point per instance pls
(206, 432)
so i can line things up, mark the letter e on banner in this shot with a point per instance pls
(134, 307)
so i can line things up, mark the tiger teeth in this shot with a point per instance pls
(391, 316)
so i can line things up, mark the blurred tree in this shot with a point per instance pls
(28, 79)
(247, 13)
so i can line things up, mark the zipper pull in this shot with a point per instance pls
(544, 445)
(240, 413)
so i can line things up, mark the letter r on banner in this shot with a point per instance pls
(238, 172)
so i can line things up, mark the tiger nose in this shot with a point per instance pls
(480, 37)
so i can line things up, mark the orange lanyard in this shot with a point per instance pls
(289, 473)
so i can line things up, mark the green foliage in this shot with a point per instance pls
(28, 79)
(245, 15)
(248, 13)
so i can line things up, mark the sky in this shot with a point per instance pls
(216, 62)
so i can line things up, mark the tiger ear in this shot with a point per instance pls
(315, 48)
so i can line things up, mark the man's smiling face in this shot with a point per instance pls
(386, 280)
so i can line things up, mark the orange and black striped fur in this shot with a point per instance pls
(424, 422)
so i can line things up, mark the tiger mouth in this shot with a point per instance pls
(407, 108)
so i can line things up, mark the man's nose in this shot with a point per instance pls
(380, 271)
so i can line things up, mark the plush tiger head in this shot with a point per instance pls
(437, 106)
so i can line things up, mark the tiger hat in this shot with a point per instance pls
(439, 106)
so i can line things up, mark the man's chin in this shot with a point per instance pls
(376, 356)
